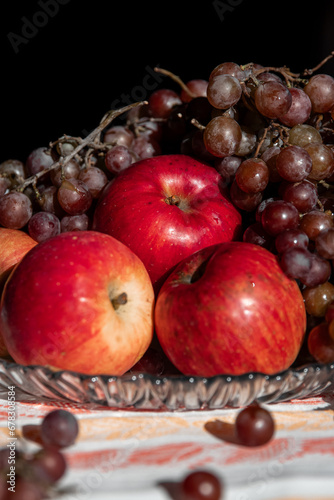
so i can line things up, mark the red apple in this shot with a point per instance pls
(79, 301)
(165, 208)
(14, 244)
(230, 309)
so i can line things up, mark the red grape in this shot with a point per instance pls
(255, 234)
(261, 207)
(291, 238)
(254, 426)
(119, 134)
(278, 216)
(15, 210)
(324, 244)
(70, 170)
(13, 171)
(317, 298)
(94, 178)
(223, 91)
(74, 196)
(228, 68)
(43, 225)
(222, 136)
(247, 144)
(200, 109)
(322, 161)
(296, 262)
(176, 124)
(227, 166)
(162, 101)
(299, 110)
(49, 200)
(252, 175)
(39, 159)
(151, 362)
(244, 201)
(272, 99)
(5, 184)
(319, 273)
(26, 489)
(198, 148)
(74, 223)
(144, 147)
(303, 134)
(315, 222)
(329, 315)
(59, 429)
(266, 76)
(48, 465)
(320, 89)
(320, 344)
(118, 158)
(201, 485)
(293, 163)
(269, 156)
(303, 195)
(198, 87)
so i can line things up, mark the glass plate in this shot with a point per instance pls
(169, 393)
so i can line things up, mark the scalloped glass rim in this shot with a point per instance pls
(168, 393)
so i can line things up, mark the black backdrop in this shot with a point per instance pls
(64, 63)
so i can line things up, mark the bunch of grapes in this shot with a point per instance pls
(267, 131)
(37, 473)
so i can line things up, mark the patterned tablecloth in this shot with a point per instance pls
(127, 455)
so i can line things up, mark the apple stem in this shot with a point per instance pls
(120, 300)
(173, 200)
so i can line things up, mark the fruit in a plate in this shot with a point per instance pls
(14, 244)
(165, 208)
(230, 309)
(79, 301)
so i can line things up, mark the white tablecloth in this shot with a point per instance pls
(128, 455)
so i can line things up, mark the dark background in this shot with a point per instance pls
(63, 75)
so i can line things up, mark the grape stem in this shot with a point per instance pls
(176, 79)
(272, 126)
(88, 141)
(308, 72)
(285, 72)
(197, 124)
(260, 142)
